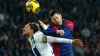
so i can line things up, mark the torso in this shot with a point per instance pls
(43, 49)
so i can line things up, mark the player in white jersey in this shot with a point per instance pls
(44, 49)
(40, 43)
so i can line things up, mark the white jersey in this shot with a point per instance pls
(38, 47)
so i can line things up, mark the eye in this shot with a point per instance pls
(57, 17)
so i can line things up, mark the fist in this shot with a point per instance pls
(61, 32)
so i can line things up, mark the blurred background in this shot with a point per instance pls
(84, 13)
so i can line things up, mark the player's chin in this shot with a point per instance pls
(24, 34)
(59, 24)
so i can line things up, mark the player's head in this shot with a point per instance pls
(30, 29)
(55, 16)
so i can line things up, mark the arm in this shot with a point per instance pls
(40, 37)
(66, 32)
(52, 39)
(44, 26)
(47, 30)
(43, 38)
(51, 33)
(62, 40)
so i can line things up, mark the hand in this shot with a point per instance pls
(61, 32)
(77, 42)
(42, 24)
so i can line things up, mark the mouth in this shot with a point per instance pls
(23, 30)
(58, 23)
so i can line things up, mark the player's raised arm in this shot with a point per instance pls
(48, 30)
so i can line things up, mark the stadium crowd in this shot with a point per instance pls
(84, 13)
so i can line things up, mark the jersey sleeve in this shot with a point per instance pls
(52, 39)
(38, 36)
(49, 31)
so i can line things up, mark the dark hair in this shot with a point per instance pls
(53, 11)
(34, 26)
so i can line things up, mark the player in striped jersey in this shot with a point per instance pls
(40, 43)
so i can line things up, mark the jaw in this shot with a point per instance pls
(25, 34)
(59, 23)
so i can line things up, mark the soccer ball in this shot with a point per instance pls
(32, 6)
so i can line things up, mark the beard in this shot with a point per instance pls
(25, 34)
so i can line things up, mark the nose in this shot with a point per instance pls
(57, 20)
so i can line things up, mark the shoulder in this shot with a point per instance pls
(69, 24)
(38, 34)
